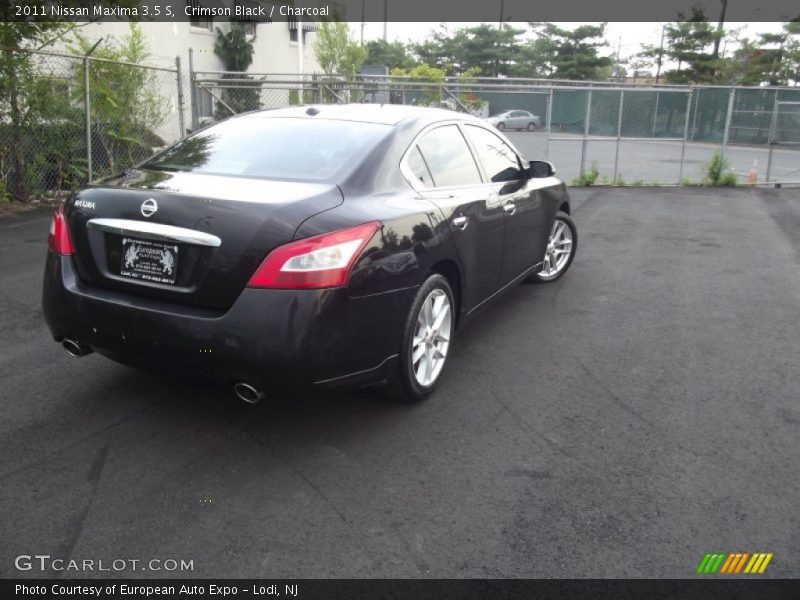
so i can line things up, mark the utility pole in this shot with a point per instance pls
(363, 18)
(720, 25)
(660, 53)
(385, 20)
(502, 10)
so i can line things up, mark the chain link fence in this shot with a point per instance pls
(65, 119)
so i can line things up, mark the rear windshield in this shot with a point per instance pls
(273, 148)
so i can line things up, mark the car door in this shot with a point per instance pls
(526, 229)
(441, 166)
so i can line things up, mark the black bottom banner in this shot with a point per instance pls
(391, 589)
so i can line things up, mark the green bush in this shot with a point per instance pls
(717, 173)
(587, 178)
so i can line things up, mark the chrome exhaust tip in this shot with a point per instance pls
(247, 393)
(76, 348)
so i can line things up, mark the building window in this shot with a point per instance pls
(293, 36)
(199, 22)
(249, 28)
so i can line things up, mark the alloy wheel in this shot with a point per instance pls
(559, 249)
(431, 337)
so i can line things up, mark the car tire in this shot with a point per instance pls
(531, 126)
(431, 347)
(501, 126)
(563, 236)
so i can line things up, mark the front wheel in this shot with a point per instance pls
(561, 246)
(426, 340)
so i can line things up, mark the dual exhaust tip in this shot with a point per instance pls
(247, 393)
(244, 391)
(76, 349)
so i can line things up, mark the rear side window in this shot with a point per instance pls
(448, 157)
(498, 159)
(420, 170)
(273, 148)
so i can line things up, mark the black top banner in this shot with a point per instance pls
(395, 10)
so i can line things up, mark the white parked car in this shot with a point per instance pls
(516, 119)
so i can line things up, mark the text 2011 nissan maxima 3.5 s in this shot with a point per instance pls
(330, 245)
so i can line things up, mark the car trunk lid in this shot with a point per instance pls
(184, 237)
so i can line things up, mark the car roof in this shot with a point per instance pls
(386, 114)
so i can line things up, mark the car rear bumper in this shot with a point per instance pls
(267, 337)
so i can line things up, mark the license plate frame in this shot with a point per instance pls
(149, 260)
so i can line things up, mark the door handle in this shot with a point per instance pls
(461, 222)
(510, 207)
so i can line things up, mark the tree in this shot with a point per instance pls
(574, 54)
(433, 80)
(18, 84)
(771, 59)
(236, 53)
(17, 103)
(392, 55)
(690, 44)
(492, 51)
(336, 53)
(126, 106)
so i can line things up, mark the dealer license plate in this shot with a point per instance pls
(151, 261)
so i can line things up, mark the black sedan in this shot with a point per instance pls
(331, 245)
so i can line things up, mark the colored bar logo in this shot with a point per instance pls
(734, 563)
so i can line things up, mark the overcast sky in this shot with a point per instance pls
(630, 36)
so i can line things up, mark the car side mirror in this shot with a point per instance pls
(541, 168)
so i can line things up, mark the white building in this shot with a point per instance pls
(275, 51)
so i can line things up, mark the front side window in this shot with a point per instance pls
(448, 158)
(274, 148)
(498, 159)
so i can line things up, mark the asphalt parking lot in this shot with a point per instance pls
(640, 412)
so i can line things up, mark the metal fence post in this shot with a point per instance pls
(619, 135)
(192, 91)
(655, 114)
(771, 139)
(728, 117)
(586, 131)
(87, 110)
(88, 119)
(549, 120)
(685, 132)
(179, 78)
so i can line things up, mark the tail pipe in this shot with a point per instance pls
(247, 393)
(76, 348)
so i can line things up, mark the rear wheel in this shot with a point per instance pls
(560, 251)
(426, 339)
(531, 126)
(501, 126)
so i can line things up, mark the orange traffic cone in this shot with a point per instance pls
(752, 176)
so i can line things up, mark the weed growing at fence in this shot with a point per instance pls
(717, 173)
(587, 178)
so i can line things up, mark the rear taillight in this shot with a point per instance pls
(58, 240)
(316, 262)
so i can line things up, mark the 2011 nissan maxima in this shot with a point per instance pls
(325, 245)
